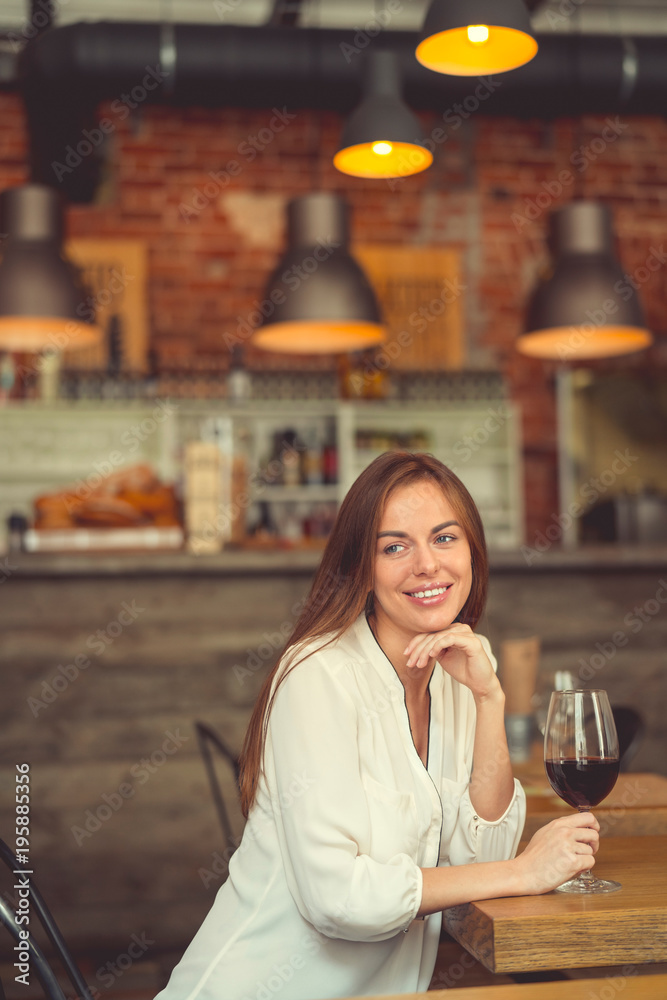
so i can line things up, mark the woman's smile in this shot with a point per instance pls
(428, 596)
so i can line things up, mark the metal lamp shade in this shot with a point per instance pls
(41, 294)
(382, 137)
(318, 300)
(585, 308)
(445, 45)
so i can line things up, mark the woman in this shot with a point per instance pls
(365, 814)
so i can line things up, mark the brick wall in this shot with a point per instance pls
(212, 242)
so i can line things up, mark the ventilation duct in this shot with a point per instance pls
(66, 72)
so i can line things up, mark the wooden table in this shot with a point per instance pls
(636, 806)
(628, 987)
(562, 931)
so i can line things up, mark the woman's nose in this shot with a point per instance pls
(425, 561)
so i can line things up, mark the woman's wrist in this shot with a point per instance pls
(516, 876)
(493, 697)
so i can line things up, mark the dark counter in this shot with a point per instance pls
(250, 562)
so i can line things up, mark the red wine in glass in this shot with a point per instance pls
(581, 760)
(582, 783)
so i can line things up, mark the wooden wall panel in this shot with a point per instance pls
(115, 272)
(421, 294)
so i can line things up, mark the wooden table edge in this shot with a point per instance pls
(632, 987)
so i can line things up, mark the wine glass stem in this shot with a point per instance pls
(588, 877)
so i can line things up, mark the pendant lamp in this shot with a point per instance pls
(318, 300)
(586, 307)
(476, 37)
(41, 295)
(382, 137)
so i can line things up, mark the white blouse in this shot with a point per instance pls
(325, 886)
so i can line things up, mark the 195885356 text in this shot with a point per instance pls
(22, 874)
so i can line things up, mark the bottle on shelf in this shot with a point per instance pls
(330, 461)
(290, 525)
(312, 473)
(290, 456)
(264, 529)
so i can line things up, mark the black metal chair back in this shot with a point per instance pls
(630, 728)
(39, 962)
(207, 737)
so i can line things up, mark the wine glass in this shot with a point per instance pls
(561, 680)
(581, 760)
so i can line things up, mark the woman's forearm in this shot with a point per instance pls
(555, 853)
(449, 886)
(492, 783)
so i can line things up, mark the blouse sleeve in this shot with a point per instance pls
(476, 839)
(319, 805)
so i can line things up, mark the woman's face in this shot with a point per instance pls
(423, 571)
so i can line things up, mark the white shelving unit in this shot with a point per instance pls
(477, 440)
(51, 446)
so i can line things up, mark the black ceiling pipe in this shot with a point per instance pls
(66, 72)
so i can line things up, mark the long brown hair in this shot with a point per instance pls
(343, 584)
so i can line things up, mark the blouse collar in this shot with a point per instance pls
(374, 652)
(379, 659)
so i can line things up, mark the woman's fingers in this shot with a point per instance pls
(585, 820)
(430, 649)
(423, 638)
(589, 837)
(585, 829)
(422, 648)
(583, 847)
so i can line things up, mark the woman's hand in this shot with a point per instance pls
(557, 852)
(460, 652)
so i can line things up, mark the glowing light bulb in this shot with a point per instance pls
(478, 34)
(382, 148)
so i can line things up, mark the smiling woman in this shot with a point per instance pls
(381, 702)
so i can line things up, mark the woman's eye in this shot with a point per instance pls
(446, 538)
(392, 549)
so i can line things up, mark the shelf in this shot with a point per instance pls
(316, 493)
(490, 456)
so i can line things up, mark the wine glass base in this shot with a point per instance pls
(589, 887)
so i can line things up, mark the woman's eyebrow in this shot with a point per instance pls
(404, 534)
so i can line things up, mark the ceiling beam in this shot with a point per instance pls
(67, 72)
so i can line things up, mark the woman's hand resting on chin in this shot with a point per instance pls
(458, 651)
